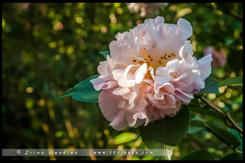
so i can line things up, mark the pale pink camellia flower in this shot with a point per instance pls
(219, 57)
(151, 73)
(150, 9)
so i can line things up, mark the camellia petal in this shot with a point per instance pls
(205, 66)
(185, 28)
(119, 122)
(140, 73)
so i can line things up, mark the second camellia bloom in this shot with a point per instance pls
(150, 74)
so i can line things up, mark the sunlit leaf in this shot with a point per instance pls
(231, 81)
(148, 158)
(83, 91)
(134, 158)
(125, 137)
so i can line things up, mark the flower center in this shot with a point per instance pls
(156, 62)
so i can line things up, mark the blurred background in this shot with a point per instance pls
(48, 48)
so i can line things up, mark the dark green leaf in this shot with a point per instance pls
(237, 134)
(224, 135)
(203, 111)
(125, 137)
(167, 131)
(199, 155)
(231, 81)
(105, 53)
(195, 101)
(233, 156)
(211, 86)
(193, 130)
(198, 123)
(83, 91)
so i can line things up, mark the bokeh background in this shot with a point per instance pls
(49, 47)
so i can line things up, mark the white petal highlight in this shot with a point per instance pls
(184, 28)
(205, 66)
(140, 73)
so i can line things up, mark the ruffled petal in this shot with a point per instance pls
(100, 83)
(167, 87)
(151, 98)
(140, 73)
(103, 68)
(121, 91)
(140, 118)
(205, 66)
(185, 28)
(186, 52)
(109, 111)
(119, 122)
(131, 99)
(119, 75)
(159, 79)
(183, 96)
(172, 66)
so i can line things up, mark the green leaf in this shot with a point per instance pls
(83, 91)
(196, 126)
(195, 101)
(167, 131)
(233, 156)
(203, 111)
(211, 86)
(199, 155)
(237, 134)
(105, 53)
(134, 158)
(224, 135)
(125, 137)
(193, 130)
(198, 123)
(148, 158)
(231, 81)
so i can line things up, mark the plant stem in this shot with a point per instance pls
(226, 115)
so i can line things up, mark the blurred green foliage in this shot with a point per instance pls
(48, 48)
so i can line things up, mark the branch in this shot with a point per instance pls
(226, 115)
